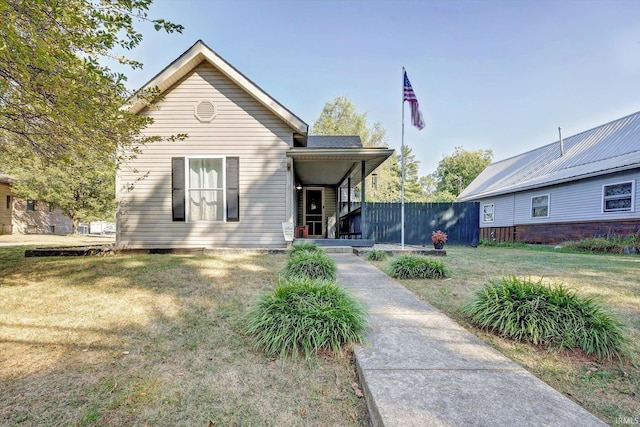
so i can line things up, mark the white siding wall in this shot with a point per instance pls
(502, 211)
(578, 201)
(242, 128)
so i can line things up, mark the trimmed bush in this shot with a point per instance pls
(548, 315)
(303, 316)
(376, 255)
(612, 243)
(311, 264)
(304, 247)
(417, 267)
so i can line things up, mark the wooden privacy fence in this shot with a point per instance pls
(459, 220)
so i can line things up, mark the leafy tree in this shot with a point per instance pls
(391, 191)
(429, 185)
(341, 117)
(455, 172)
(60, 109)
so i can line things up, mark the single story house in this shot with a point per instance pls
(20, 216)
(582, 186)
(248, 171)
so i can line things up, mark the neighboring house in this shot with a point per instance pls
(247, 166)
(582, 186)
(20, 216)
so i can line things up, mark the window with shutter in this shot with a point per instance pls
(206, 189)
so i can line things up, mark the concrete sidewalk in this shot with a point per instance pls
(420, 368)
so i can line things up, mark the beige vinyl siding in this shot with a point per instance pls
(242, 128)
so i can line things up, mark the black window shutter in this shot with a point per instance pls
(177, 188)
(233, 189)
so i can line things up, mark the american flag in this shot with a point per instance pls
(410, 96)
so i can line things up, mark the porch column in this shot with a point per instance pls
(363, 222)
(349, 195)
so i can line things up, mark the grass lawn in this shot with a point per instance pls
(610, 390)
(153, 340)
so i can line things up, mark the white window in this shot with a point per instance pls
(205, 189)
(618, 197)
(540, 206)
(487, 212)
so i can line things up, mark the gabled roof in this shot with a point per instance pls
(608, 148)
(334, 141)
(200, 52)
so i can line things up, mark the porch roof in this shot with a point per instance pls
(332, 166)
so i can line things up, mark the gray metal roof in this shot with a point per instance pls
(334, 141)
(608, 148)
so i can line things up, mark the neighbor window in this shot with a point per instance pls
(52, 229)
(487, 213)
(8, 202)
(618, 197)
(540, 206)
(31, 205)
(205, 183)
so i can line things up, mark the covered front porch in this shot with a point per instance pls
(328, 185)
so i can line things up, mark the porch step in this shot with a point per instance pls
(338, 249)
(351, 243)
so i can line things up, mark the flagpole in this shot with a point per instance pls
(402, 162)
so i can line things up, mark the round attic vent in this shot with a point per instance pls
(205, 111)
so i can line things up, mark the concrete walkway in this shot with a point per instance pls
(420, 368)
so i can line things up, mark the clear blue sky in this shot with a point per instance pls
(499, 75)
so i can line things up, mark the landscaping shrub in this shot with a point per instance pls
(595, 244)
(549, 315)
(311, 264)
(376, 255)
(417, 267)
(612, 243)
(305, 315)
(304, 247)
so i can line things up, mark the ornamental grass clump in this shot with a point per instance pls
(303, 315)
(417, 267)
(304, 247)
(310, 264)
(376, 255)
(548, 315)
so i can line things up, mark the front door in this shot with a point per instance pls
(314, 211)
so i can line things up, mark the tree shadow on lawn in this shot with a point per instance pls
(134, 339)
